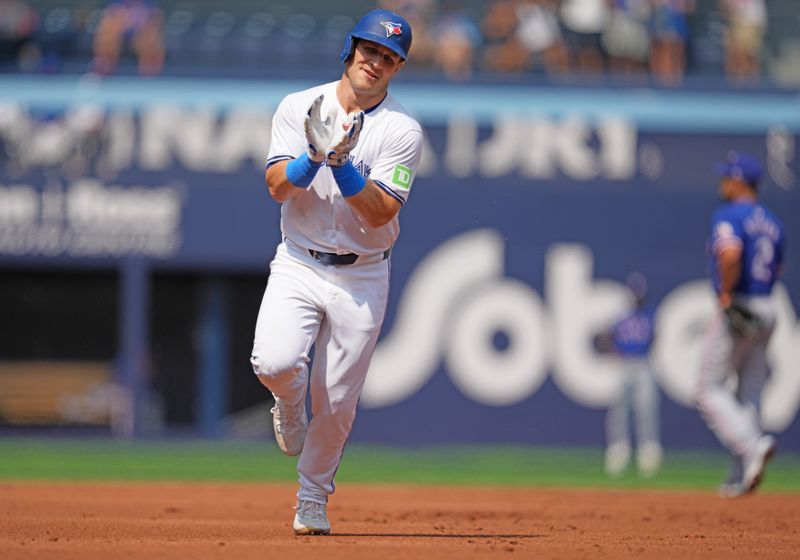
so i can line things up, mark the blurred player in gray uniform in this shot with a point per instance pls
(631, 339)
(746, 250)
(341, 162)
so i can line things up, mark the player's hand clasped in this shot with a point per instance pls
(326, 143)
(325, 140)
(346, 139)
(319, 133)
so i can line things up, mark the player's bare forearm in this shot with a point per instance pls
(280, 188)
(730, 267)
(375, 206)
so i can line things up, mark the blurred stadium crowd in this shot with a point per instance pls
(459, 40)
(660, 40)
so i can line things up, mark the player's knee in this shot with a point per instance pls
(275, 365)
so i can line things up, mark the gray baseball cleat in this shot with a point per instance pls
(290, 424)
(756, 462)
(617, 457)
(733, 487)
(731, 490)
(648, 458)
(311, 518)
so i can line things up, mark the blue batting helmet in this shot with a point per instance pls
(383, 27)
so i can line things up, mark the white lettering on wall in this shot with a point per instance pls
(19, 205)
(462, 142)
(539, 148)
(454, 316)
(397, 372)
(477, 368)
(90, 219)
(204, 139)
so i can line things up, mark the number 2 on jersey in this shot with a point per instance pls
(762, 259)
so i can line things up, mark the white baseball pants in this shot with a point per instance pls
(339, 310)
(638, 397)
(733, 413)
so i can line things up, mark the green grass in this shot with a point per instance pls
(256, 461)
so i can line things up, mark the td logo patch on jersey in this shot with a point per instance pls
(392, 28)
(402, 176)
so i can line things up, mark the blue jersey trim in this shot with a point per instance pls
(275, 159)
(378, 104)
(390, 192)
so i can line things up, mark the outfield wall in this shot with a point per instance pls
(529, 209)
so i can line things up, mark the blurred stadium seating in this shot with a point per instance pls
(246, 38)
(205, 37)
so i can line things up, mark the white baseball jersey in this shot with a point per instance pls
(388, 153)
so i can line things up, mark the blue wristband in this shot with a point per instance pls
(348, 178)
(301, 171)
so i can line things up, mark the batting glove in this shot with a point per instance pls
(345, 140)
(319, 133)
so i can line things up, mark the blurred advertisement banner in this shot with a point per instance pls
(90, 219)
(463, 314)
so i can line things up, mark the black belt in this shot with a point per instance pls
(339, 260)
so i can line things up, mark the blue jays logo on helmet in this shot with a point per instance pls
(383, 27)
(392, 28)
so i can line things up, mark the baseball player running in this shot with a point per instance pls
(746, 246)
(341, 162)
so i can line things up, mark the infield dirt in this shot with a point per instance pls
(91, 521)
